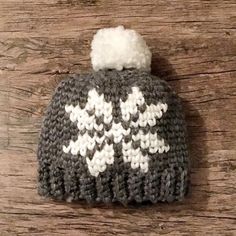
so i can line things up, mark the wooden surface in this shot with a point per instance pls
(194, 48)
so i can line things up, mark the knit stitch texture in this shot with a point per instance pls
(114, 136)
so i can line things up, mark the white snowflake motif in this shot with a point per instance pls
(102, 109)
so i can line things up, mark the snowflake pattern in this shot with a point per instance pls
(97, 108)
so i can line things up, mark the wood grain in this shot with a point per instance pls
(194, 48)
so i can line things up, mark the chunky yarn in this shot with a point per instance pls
(114, 136)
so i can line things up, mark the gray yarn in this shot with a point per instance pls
(66, 176)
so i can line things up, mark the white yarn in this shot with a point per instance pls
(148, 117)
(119, 48)
(135, 157)
(101, 159)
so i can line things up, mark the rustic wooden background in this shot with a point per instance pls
(194, 48)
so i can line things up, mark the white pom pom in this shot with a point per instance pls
(119, 48)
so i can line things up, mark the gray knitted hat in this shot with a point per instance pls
(117, 134)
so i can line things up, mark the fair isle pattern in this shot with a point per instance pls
(122, 131)
(103, 151)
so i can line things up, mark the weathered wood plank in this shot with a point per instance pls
(194, 48)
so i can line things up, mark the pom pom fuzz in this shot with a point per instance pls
(119, 48)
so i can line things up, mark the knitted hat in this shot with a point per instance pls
(116, 134)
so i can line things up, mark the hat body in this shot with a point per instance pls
(114, 136)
